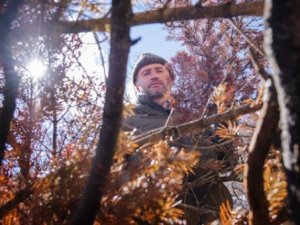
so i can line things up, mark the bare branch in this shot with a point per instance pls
(258, 151)
(259, 148)
(259, 69)
(13, 203)
(176, 131)
(101, 55)
(161, 16)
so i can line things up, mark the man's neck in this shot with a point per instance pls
(164, 101)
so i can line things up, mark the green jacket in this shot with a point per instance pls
(149, 116)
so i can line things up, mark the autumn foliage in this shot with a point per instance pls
(144, 186)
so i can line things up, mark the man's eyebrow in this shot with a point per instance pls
(145, 70)
(160, 67)
(156, 68)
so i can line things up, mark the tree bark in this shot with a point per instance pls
(112, 115)
(11, 76)
(283, 49)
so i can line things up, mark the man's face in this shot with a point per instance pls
(154, 80)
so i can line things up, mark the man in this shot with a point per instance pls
(153, 79)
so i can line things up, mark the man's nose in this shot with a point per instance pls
(154, 75)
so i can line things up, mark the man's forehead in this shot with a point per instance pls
(152, 66)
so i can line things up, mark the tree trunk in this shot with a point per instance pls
(283, 48)
(11, 76)
(112, 115)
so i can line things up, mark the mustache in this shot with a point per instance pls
(155, 82)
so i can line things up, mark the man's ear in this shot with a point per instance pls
(137, 88)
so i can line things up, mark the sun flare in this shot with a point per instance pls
(36, 68)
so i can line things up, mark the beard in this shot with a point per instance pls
(157, 92)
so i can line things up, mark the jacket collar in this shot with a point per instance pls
(146, 100)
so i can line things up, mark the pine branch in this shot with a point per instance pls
(11, 77)
(162, 15)
(175, 132)
(112, 115)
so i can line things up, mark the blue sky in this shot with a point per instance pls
(153, 41)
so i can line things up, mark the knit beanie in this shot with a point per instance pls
(147, 59)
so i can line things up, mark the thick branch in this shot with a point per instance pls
(258, 151)
(259, 69)
(19, 197)
(259, 148)
(162, 16)
(120, 43)
(176, 131)
(11, 76)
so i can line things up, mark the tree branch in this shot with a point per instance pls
(258, 151)
(11, 77)
(247, 39)
(19, 197)
(259, 70)
(160, 16)
(176, 131)
(112, 115)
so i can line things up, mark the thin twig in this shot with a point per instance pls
(101, 56)
(250, 42)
